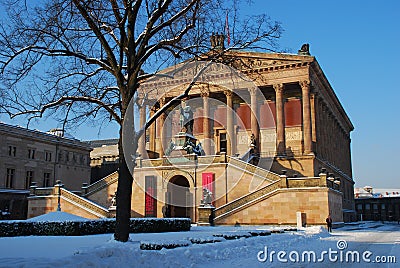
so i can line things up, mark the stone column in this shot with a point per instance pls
(206, 122)
(314, 105)
(305, 90)
(280, 120)
(162, 129)
(152, 132)
(142, 139)
(253, 120)
(229, 123)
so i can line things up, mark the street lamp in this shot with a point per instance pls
(59, 185)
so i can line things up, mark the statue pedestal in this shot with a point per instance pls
(112, 211)
(182, 137)
(206, 215)
(180, 140)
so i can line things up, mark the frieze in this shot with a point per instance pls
(293, 135)
(268, 137)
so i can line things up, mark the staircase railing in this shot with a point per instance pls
(84, 203)
(245, 200)
(260, 172)
(100, 184)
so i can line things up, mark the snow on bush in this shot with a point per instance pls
(260, 233)
(205, 240)
(89, 227)
(150, 245)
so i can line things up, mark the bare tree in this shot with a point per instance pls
(84, 60)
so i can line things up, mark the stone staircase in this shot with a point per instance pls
(100, 184)
(44, 200)
(85, 204)
(253, 197)
(252, 170)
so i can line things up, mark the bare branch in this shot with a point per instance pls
(63, 99)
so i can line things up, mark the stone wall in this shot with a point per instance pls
(281, 208)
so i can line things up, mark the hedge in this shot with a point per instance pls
(90, 227)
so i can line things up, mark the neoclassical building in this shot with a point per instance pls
(275, 141)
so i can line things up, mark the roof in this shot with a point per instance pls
(41, 136)
(375, 193)
(101, 143)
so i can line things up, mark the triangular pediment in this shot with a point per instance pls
(220, 74)
(247, 60)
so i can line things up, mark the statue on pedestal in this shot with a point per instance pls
(207, 197)
(186, 119)
(304, 50)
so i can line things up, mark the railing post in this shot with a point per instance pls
(284, 182)
(84, 188)
(322, 180)
(32, 188)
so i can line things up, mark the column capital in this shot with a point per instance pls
(228, 93)
(305, 84)
(253, 90)
(204, 92)
(278, 87)
(162, 101)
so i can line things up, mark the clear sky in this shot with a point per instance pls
(357, 45)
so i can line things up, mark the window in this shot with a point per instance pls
(12, 150)
(47, 156)
(46, 179)
(375, 206)
(367, 207)
(31, 153)
(60, 156)
(359, 207)
(222, 142)
(383, 206)
(10, 177)
(28, 179)
(67, 156)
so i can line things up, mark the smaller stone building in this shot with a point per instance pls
(103, 158)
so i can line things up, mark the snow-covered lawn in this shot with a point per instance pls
(103, 251)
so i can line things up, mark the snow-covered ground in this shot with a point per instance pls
(382, 240)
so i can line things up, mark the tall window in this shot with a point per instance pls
(10, 177)
(31, 153)
(46, 179)
(12, 150)
(47, 156)
(28, 179)
(223, 143)
(150, 196)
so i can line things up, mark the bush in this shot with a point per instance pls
(146, 245)
(89, 227)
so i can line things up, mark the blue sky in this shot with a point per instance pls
(357, 45)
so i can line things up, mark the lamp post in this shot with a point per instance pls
(59, 195)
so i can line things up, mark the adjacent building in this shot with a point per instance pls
(31, 156)
(377, 204)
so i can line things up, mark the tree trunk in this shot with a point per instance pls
(124, 194)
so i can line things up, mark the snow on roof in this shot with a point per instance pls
(57, 216)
